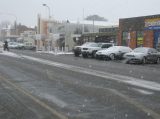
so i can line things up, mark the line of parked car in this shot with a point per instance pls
(24, 46)
(108, 51)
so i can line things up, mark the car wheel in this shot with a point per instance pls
(76, 54)
(144, 60)
(84, 55)
(112, 56)
(94, 54)
(97, 57)
(127, 62)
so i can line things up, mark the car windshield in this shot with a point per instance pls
(85, 44)
(93, 45)
(114, 48)
(141, 50)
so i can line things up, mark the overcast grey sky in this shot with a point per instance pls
(26, 10)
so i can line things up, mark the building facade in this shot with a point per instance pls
(140, 31)
(106, 34)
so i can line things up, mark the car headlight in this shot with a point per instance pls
(90, 49)
(98, 52)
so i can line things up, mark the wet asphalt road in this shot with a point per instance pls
(31, 89)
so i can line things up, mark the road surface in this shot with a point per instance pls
(46, 86)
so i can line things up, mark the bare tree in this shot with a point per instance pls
(95, 18)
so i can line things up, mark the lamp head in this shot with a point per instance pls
(44, 4)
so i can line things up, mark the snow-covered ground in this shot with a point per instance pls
(9, 54)
(48, 52)
(56, 53)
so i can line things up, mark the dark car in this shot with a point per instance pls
(143, 55)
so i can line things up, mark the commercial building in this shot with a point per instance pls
(140, 31)
(106, 34)
(63, 35)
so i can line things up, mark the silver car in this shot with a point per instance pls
(91, 49)
(143, 55)
(77, 49)
(112, 53)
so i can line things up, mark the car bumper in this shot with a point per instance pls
(77, 51)
(134, 60)
(101, 56)
(87, 52)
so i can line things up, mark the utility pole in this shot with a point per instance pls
(48, 31)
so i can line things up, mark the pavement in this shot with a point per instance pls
(47, 86)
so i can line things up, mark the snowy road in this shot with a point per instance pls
(76, 88)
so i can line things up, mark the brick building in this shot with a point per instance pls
(140, 31)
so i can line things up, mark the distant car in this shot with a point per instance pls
(29, 46)
(143, 55)
(112, 53)
(77, 49)
(13, 45)
(91, 49)
(20, 46)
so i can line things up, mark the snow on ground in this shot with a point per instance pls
(7, 53)
(120, 78)
(143, 91)
(117, 77)
(53, 99)
(56, 53)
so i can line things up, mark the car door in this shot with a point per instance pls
(152, 55)
(121, 51)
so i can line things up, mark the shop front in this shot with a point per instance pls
(140, 31)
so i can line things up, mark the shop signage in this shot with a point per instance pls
(152, 24)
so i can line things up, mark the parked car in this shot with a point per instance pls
(15, 45)
(29, 46)
(143, 55)
(12, 45)
(91, 49)
(20, 46)
(112, 53)
(77, 49)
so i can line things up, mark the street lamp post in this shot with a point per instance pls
(48, 10)
(49, 42)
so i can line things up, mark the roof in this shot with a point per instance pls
(97, 23)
